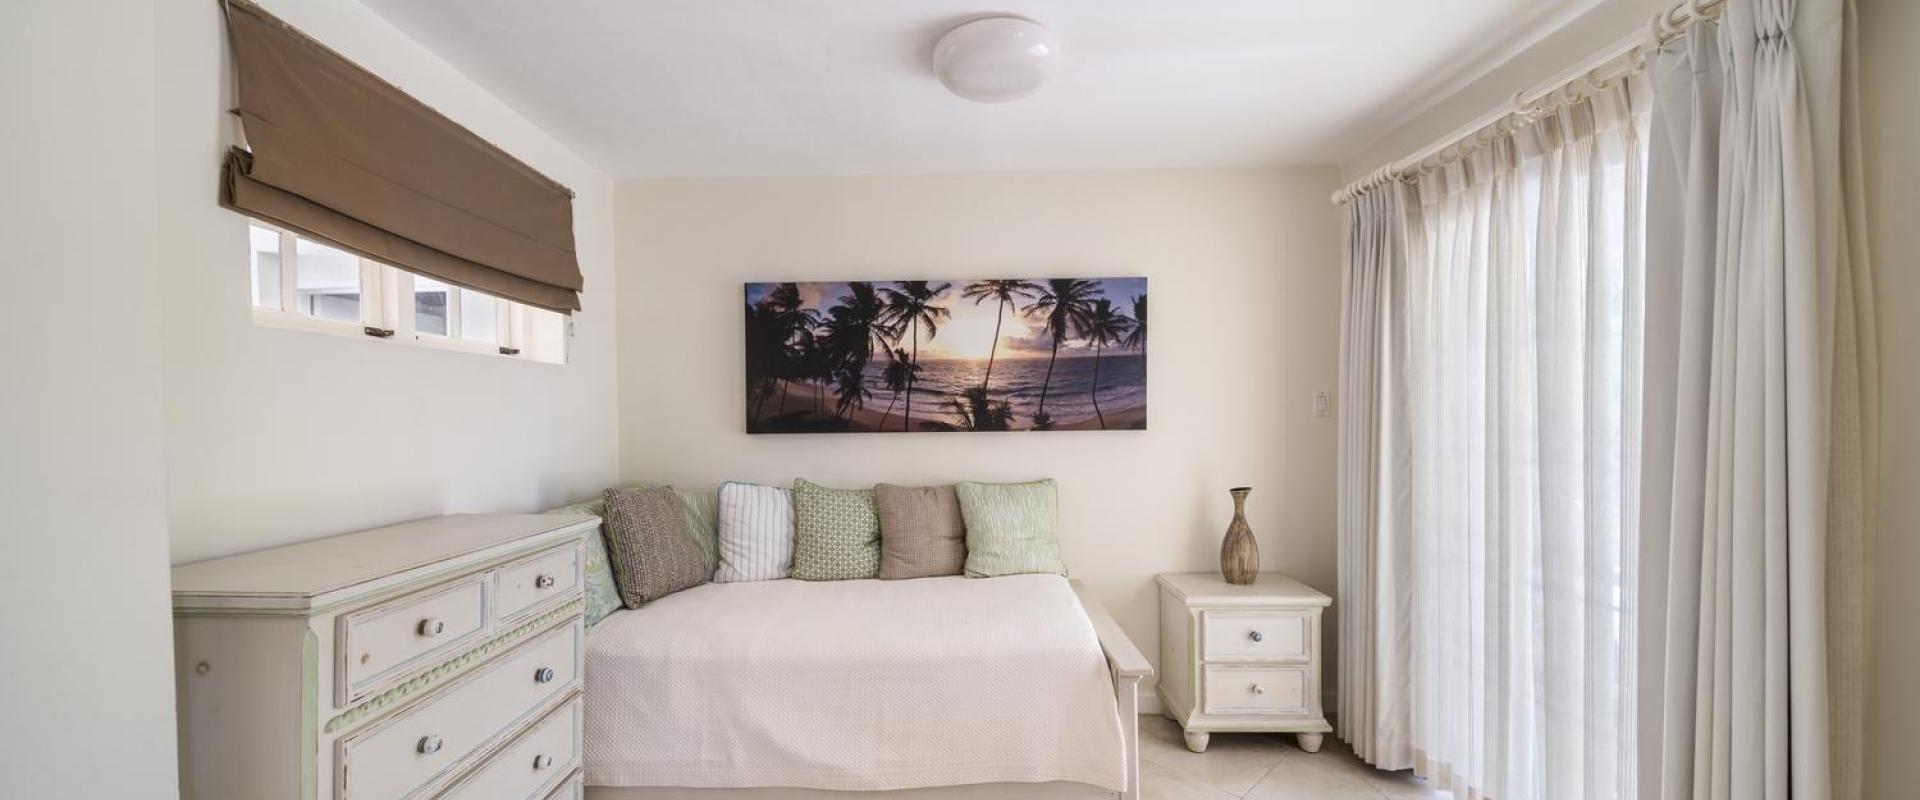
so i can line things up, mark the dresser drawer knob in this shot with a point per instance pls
(543, 581)
(1258, 689)
(543, 675)
(430, 744)
(542, 761)
(432, 626)
(1257, 636)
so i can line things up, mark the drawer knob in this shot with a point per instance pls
(543, 581)
(543, 675)
(432, 626)
(542, 761)
(1258, 689)
(1257, 636)
(430, 744)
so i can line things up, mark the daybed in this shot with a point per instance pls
(949, 687)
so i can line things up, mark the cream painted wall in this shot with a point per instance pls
(86, 706)
(1244, 274)
(1889, 63)
(1890, 119)
(274, 435)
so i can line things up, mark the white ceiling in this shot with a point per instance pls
(809, 87)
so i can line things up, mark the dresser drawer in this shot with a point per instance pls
(572, 789)
(526, 584)
(1256, 690)
(1256, 635)
(383, 643)
(532, 765)
(408, 752)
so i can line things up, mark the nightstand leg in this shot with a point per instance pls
(1197, 741)
(1309, 742)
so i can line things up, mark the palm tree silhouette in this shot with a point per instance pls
(911, 306)
(897, 377)
(792, 322)
(857, 324)
(1004, 293)
(1066, 303)
(977, 413)
(1137, 338)
(850, 389)
(1104, 326)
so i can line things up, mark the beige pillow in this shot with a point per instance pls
(652, 553)
(921, 533)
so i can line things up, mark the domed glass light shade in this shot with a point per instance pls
(996, 59)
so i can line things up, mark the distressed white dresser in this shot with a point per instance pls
(1241, 658)
(435, 659)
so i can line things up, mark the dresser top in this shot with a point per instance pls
(308, 574)
(1270, 588)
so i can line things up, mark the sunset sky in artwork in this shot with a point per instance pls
(969, 332)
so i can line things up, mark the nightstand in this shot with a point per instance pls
(1241, 658)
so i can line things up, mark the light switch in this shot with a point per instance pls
(1322, 403)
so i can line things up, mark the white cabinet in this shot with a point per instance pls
(423, 660)
(1241, 658)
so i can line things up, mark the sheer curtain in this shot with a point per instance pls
(1762, 415)
(1516, 366)
(1375, 715)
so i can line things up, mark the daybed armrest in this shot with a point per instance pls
(1125, 659)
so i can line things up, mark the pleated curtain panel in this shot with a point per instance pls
(335, 153)
(1606, 449)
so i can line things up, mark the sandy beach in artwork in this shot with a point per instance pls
(805, 407)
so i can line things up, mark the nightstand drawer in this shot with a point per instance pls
(1256, 690)
(1256, 635)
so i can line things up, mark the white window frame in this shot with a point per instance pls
(387, 310)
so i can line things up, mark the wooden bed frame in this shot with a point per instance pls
(1123, 659)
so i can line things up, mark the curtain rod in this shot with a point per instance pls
(1626, 57)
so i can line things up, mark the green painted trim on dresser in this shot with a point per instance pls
(309, 710)
(453, 667)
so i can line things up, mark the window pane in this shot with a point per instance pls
(477, 318)
(326, 282)
(430, 305)
(265, 244)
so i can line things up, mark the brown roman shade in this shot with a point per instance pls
(338, 154)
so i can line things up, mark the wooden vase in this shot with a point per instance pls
(1239, 553)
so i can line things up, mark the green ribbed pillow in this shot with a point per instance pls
(1012, 528)
(836, 533)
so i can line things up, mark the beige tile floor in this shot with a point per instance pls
(1259, 766)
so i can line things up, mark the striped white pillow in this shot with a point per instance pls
(756, 533)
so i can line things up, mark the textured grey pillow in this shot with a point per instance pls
(921, 532)
(653, 555)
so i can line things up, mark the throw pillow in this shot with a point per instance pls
(697, 506)
(836, 534)
(755, 533)
(1012, 528)
(602, 595)
(921, 532)
(652, 552)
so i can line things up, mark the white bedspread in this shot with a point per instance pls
(861, 685)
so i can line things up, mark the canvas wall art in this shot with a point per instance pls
(1060, 354)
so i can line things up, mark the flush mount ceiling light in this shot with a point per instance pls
(996, 59)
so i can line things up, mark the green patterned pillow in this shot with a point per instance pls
(603, 595)
(836, 533)
(1012, 528)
